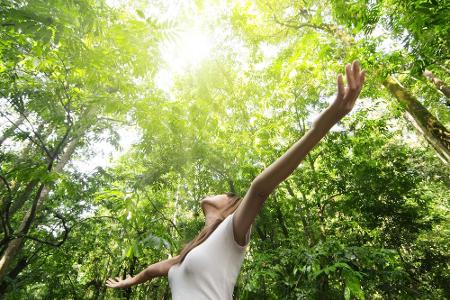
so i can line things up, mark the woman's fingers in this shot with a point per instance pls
(341, 87)
(116, 283)
(110, 283)
(362, 76)
(355, 77)
(356, 70)
(350, 80)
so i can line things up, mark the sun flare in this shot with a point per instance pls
(189, 49)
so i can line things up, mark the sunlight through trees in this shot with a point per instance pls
(117, 117)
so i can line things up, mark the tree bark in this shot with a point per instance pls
(22, 264)
(433, 131)
(439, 84)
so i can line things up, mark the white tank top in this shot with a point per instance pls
(209, 271)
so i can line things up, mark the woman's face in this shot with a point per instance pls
(216, 202)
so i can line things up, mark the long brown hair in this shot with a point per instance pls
(207, 230)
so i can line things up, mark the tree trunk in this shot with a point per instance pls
(309, 234)
(14, 246)
(439, 84)
(20, 201)
(22, 263)
(280, 216)
(128, 291)
(322, 284)
(231, 185)
(433, 131)
(10, 208)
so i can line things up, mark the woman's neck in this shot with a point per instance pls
(211, 218)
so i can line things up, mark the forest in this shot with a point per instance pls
(117, 117)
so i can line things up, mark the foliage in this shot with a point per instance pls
(365, 216)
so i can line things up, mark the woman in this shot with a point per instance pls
(207, 267)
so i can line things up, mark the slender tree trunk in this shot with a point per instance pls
(439, 84)
(10, 208)
(176, 206)
(102, 290)
(280, 216)
(21, 264)
(231, 185)
(173, 229)
(14, 246)
(260, 233)
(322, 284)
(433, 131)
(309, 234)
(128, 291)
(20, 201)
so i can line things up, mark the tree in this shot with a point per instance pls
(66, 66)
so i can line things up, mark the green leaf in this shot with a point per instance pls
(140, 13)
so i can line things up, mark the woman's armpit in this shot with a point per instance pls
(247, 236)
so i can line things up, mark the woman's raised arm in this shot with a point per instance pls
(156, 270)
(278, 171)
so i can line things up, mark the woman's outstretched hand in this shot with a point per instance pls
(119, 283)
(347, 95)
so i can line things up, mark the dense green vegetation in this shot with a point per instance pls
(365, 216)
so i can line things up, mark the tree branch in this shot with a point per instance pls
(162, 215)
(53, 244)
(5, 208)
